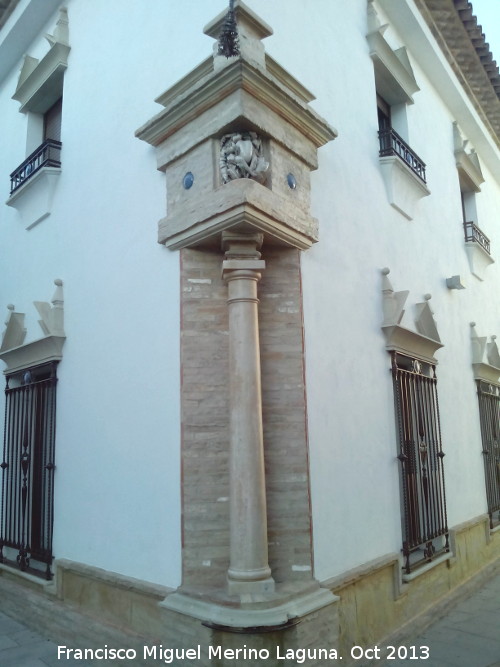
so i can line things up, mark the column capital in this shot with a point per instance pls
(241, 245)
(242, 256)
(246, 268)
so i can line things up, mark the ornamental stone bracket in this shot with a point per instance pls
(404, 188)
(237, 140)
(394, 76)
(422, 343)
(19, 355)
(479, 259)
(40, 81)
(468, 166)
(485, 357)
(33, 199)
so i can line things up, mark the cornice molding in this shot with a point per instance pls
(40, 81)
(469, 169)
(422, 343)
(460, 39)
(485, 357)
(17, 354)
(206, 90)
(393, 73)
(241, 204)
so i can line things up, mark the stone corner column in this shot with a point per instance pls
(249, 570)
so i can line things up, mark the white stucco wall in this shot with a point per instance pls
(117, 493)
(118, 431)
(354, 470)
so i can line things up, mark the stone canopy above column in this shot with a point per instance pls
(237, 140)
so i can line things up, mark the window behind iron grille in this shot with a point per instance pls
(26, 510)
(424, 519)
(489, 414)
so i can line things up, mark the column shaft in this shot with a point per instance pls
(249, 570)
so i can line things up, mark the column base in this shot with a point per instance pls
(258, 611)
(238, 587)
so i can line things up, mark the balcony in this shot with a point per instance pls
(392, 144)
(473, 233)
(46, 155)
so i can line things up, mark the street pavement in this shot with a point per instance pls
(21, 647)
(468, 635)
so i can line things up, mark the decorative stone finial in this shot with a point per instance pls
(492, 353)
(52, 318)
(61, 32)
(422, 343)
(393, 303)
(238, 33)
(14, 333)
(485, 356)
(228, 45)
(10, 308)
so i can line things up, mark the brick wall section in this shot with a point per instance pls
(205, 417)
(284, 415)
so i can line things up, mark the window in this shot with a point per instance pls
(470, 177)
(39, 93)
(489, 414)
(425, 530)
(47, 154)
(403, 171)
(391, 143)
(28, 469)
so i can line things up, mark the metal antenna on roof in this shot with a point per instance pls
(228, 39)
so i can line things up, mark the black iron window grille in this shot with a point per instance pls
(27, 500)
(473, 233)
(46, 155)
(392, 144)
(489, 415)
(421, 456)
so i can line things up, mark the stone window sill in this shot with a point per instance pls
(33, 200)
(404, 188)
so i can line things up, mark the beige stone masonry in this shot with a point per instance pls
(377, 607)
(238, 140)
(205, 417)
(247, 93)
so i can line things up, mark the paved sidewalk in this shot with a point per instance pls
(467, 636)
(21, 647)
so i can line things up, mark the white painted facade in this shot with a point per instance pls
(118, 477)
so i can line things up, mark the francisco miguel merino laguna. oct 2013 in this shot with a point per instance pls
(174, 655)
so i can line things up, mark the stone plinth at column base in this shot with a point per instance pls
(286, 606)
(237, 587)
(304, 627)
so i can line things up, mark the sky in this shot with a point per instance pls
(488, 16)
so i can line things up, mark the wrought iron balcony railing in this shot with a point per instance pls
(473, 233)
(392, 144)
(46, 155)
